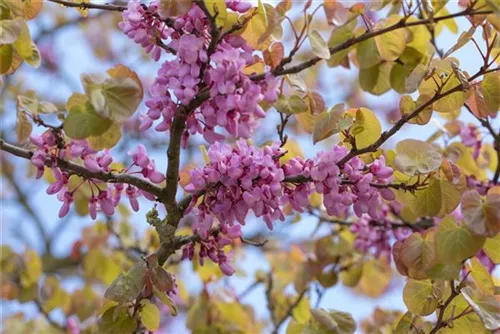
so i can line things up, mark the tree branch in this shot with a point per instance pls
(84, 172)
(86, 5)
(401, 24)
(399, 124)
(289, 311)
(53, 323)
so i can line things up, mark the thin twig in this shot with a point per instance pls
(289, 311)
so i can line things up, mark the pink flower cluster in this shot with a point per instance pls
(104, 197)
(470, 136)
(212, 241)
(354, 185)
(241, 179)
(142, 24)
(244, 178)
(234, 96)
(376, 236)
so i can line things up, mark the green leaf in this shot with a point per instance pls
(456, 243)
(331, 123)
(335, 321)
(491, 91)
(10, 30)
(117, 320)
(6, 54)
(391, 44)
(415, 157)
(318, 45)
(82, 121)
(150, 315)
(127, 286)
(418, 296)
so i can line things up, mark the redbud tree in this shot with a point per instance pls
(243, 123)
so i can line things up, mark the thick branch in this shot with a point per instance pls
(65, 24)
(84, 172)
(84, 5)
(173, 154)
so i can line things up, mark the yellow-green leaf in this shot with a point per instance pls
(481, 276)
(339, 36)
(416, 157)
(391, 44)
(23, 126)
(32, 268)
(492, 248)
(331, 123)
(166, 300)
(418, 296)
(482, 218)
(376, 79)
(6, 54)
(491, 91)
(366, 127)
(117, 320)
(82, 121)
(219, 8)
(10, 30)
(128, 285)
(486, 306)
(334, 321)
(367, 54)
(106, 140)
(150, 315)
(291, 105)
(117, 97)
(318, 45)
(455, 243)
